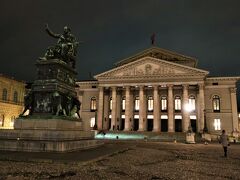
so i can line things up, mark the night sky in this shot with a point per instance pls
(113, 30)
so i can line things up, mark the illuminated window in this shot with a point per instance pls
(217, 124)
(123, 103)
(216, 103)
(110, 104)
(177, 103)
(4, 94)
(93, 105)
(137, 103)
(164, 103)
(15, 97)
(192, 103)
(2, 120)
(150, 103)
(92, 122)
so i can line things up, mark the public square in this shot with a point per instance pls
(126, 160)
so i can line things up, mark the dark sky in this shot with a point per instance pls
(208, 30)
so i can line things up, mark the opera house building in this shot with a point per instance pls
(161, 91)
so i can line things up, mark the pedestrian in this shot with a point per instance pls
(224, 142)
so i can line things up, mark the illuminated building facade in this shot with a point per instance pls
(11, 100)
(161, 91)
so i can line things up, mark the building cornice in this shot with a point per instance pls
(233, 78)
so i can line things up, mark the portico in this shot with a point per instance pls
(144, 105)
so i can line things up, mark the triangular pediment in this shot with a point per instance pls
(149, 67)
(163, 54)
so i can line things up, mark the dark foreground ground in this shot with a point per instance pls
(126, 160)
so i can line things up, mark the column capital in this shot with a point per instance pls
(155, 87)
(114, 88)
(233, 90)
(185, 86)
(141, 87)
(101, 88)
(127, 88)
(170, 85)
(201, 85)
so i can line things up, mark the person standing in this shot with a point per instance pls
(224, 142)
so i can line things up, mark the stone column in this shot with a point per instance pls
(100, 108)
(127, 109)
(156, 109)
(114, 108)
(170, 109)
(186, 119)
(234, 109)
(106, 111)
(142, 110)
(119, 110)
(201, 108)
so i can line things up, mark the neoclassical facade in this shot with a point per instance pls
(11, 100)
(161, 91)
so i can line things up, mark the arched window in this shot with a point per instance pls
(136, 103)
(15, 97)
(93, 104)
(178, 105)
(123, 103)
(192, 103)
(216, 103)
(164, 104)
(110, 104)
(150, 103)
(4, 94)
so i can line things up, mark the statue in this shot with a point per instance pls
(66, 47)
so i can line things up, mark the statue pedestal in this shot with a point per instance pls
(190, 138)
(48, 124)
(47, 135)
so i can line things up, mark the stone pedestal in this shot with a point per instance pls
(48, 124)
(190, 138)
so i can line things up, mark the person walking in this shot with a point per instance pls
(224, 142)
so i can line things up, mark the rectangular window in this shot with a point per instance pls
(150, 103)
(217, 124)
(93, 105)
(177, 104)
(164, 104)
(137, 104)
(191, 103)
(92, 122)
(110, 105)
(123, 104)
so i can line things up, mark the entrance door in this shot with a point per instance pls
(194, 125)
(135, 124)
(149, 124)
(164, 125)
(122, 126)
(178, 125)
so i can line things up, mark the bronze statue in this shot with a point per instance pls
(66, 47)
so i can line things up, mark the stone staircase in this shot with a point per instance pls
(150, 136)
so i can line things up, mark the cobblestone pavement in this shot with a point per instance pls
(134, 160)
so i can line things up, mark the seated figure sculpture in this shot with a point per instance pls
(66, 47)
